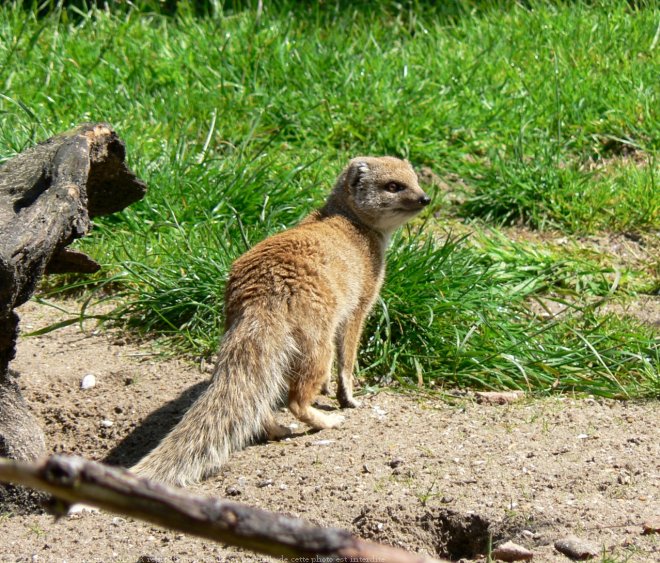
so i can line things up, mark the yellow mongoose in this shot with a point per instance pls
(292, 303)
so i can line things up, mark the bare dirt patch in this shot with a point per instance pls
(410, 471)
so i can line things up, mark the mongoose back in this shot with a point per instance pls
(293, 303)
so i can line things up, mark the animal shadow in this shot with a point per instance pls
(158, 424)
(153, 429)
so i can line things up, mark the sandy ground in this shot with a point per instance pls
(414, 472)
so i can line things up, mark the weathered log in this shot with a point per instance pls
(73, 479)
(47, 196)
(20, 438)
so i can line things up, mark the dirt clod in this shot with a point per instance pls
(396, 462)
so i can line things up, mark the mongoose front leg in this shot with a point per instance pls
(348, 339)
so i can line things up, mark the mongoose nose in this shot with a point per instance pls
(424, 200)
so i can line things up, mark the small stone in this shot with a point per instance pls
(396, 462)
(623, 478)
(148, 559)
(510, 551)
(117, 521)
(322, 442)
(576, 549)
(651, 527)
(106, 423)
(78, 509)
(88, 381)
(233, 491)
(265, 483)
(498, 397)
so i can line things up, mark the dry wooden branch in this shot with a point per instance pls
(73, 479)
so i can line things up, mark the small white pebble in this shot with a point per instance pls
(88, 381)
(322, 442)
(106, 423)
(75, 510)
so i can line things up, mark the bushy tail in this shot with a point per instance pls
(247, 384)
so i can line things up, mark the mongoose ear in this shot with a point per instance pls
(356, 171)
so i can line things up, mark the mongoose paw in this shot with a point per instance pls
(333, 420)
(278, 432)
(274, 430)
(349, 403)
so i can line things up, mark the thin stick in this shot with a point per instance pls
(74, 479)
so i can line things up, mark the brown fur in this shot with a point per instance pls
(293, 303)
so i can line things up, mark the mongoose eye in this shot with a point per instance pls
(394, 187)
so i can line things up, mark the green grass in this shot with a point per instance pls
(540, 194)
(239, 122)
(456, 315)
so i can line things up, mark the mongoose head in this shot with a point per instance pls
(383, 192)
